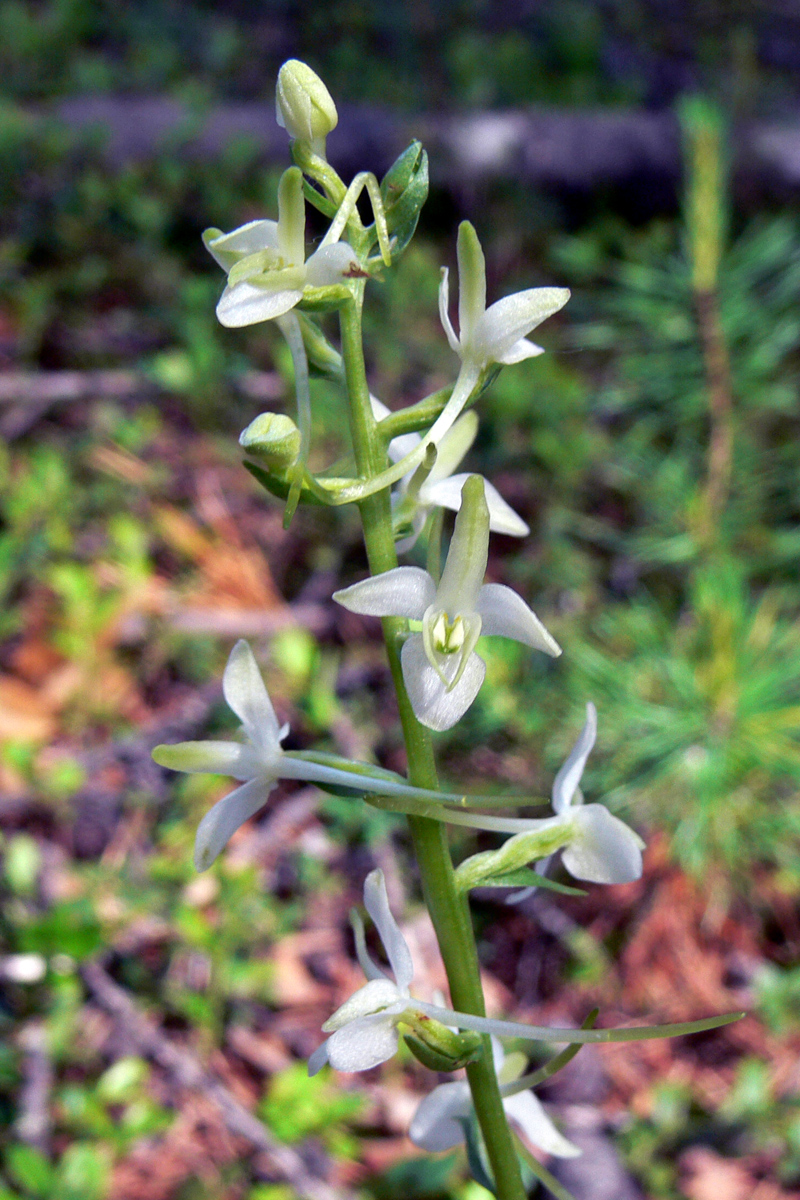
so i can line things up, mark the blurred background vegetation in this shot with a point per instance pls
(655, 452)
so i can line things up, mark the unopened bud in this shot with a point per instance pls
(272, 437)
(304, 106)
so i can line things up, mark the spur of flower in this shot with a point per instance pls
(441, 1119)
(418, 492)
(266, 261)
(441, 671)
(258, 762)
(595, 845)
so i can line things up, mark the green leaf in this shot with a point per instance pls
(31, 1170)
(526, 877)
(541, 1173)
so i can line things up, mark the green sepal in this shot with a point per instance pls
(478, 1159)
(433, 1059)
(326, 299)
(280, 485)
(526, 877)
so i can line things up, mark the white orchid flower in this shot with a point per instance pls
(364, 1030)
(441, 671)
(440, 488)
(497, 334)
(259, 762)
(439, 1122)
(595, 845)
(266, 260)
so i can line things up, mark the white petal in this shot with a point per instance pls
(245, 693)
(379, 995)
(401, 592)
(217, 758)
(433, 705)
(318, 1059)
(604, 849)
(446, 493)
(435, 1124)
(363, 1044)
(504, 612)
(330, 264)
(399, 447)
(220, 824)
(526, 1110)
(246, 304)
(569, 776)
(376, 903)
(227, 248)
(444, 314)
(521, 350)
(513, 317)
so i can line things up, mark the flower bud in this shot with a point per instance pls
(274, 438)
(304, 107)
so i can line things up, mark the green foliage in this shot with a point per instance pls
(297, 1107)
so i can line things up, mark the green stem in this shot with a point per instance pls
(448, 910)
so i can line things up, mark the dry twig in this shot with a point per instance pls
(188, 1073)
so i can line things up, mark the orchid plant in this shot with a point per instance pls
(402, 480)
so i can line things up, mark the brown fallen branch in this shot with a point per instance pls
(27, 395)
(187, 1072)
(561, 149)
(33, 1125)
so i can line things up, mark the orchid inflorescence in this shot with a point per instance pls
(433, 621)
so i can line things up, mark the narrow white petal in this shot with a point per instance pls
(220, 824)
(318, 1059)
(526, 1110)
(433, 705)
(504, 612)
(444, 314)
(246, 304)
(246, 694)
(363, 1044)
(376, 903)
(401, 592)
(370, 969)
(217, 758)
(513, 317)
(228, 248)
(446, 493)
(521, 350)
(436, 1125)
(399, 446)
(377, 995)
(330, 264)
(569, 776)
(603, 849)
